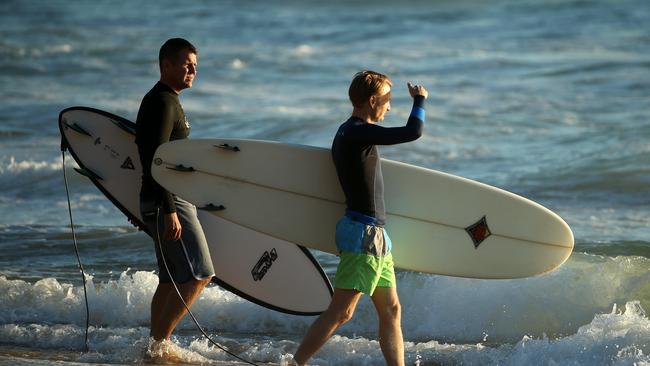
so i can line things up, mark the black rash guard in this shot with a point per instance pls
(160, 119)
(357, 160)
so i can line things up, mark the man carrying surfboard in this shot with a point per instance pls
(366, 265)
(172, 221)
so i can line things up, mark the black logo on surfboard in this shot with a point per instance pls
(479, 231)
(264, 264)
(128, 164)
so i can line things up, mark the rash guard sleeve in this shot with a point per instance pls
(372, 134)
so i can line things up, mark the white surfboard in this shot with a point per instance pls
(439, 223)
(265, 270)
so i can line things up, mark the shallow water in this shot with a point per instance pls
(547, 99)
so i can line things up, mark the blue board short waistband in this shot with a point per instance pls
(365, 219)
(357, 237)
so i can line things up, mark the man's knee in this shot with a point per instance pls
(340, 316)
(199, 285)
(205, 282)
(197, 282)
(391, 310)
(346, 316)
(193, 285)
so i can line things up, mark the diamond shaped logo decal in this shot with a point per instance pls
(478, 231)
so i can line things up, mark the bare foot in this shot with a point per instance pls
(287, 360)
(163, 352)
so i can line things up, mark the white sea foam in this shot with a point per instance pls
(89, 201)
(555, 304)
(435, 307)
(50, 50)
(237, 64)
(617, 337)
(302, 51)
(13, 166)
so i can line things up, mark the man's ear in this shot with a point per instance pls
(372, 101)
(166, 63)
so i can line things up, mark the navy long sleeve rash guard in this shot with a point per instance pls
(357, 160)
(160, 119)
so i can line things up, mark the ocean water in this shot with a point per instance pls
(547, 99)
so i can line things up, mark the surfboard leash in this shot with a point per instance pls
(76, 247)
(159, 242)
(178, 292)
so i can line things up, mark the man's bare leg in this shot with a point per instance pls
(390, 329)
(340, 310)
(167, 309)
(157, 305)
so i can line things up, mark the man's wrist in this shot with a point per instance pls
(418, 100)
(418, 108)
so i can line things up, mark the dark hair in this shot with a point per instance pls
(170, 50)
(366, 84)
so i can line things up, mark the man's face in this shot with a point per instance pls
(380, 103)
(182, 71)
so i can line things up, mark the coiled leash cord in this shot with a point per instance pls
(76, 250)
(178, 292)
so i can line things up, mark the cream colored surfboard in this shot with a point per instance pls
(439, 223)
(270, 272)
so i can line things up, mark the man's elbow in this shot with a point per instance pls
(418, 131)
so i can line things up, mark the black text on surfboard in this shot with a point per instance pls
(263, 264)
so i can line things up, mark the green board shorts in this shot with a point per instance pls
(366, 261)
(364, 272)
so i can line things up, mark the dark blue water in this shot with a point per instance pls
(547, 99)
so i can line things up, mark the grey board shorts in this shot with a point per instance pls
(186, 258)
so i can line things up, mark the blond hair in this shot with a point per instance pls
(366, 84)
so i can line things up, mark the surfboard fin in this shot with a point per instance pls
(75, 127)
(181, 168)
(88, 173)
(211, 207)
(228, 147)
(124, 126)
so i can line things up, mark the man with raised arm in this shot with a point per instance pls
(366, 263)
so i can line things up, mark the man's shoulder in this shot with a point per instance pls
(341, 131)
(353, 127)
(347, 134)
(350, 123)
(160, 95)
(152, 104)
(161, 92)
